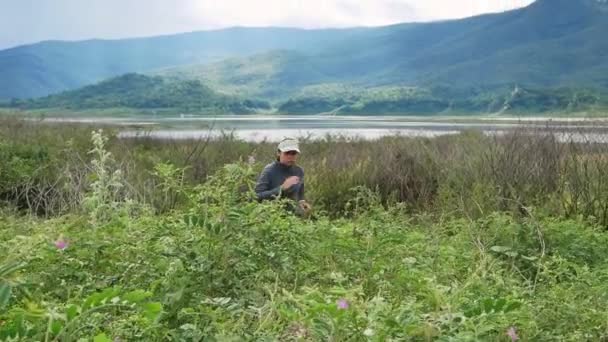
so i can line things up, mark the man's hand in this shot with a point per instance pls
(289, 182)
(305, 205)
(304, 209)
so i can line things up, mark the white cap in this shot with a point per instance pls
(289, 144)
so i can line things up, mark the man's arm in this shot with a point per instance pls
(263, 189)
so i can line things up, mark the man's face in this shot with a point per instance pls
(288, 158)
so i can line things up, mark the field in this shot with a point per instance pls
(457, 238)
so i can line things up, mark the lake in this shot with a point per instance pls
(274, 128)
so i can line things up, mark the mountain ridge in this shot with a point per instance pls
(544, 47)
(53, 66)
(146, 93)
(491, 50)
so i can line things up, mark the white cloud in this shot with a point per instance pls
(309, 13)
(23, 21)
(446, 9)
(323, 13)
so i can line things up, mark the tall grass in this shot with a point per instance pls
(423, 254)
(45, 166)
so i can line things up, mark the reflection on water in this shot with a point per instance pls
(257, 135)
(367, 134)
(273, 128)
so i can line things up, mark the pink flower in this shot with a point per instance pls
(61, 244)
(512, 333)
(342, 304)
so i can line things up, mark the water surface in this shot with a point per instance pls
(273, 128)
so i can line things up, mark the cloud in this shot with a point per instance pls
(34, 20)
(309, 13)
(445, 9)
(23, 21)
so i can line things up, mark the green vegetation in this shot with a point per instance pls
(273, 75)
(552, 51)
(443, 100)
(53, 66)
(472, 65)
(142, 92)
(460, 238)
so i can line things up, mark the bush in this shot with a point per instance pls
(222, 266)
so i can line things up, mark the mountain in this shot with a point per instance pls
(155, 94)
(549, 56)
(140, 92)
(551, 43)
(394, 100)
(53, 66)
(272, 75)
(553, 52)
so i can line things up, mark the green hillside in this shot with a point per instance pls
(274, 75)
(444, 100)
(53, 66)
(144, 92)
(552, 51)
(549, 56)
(551, 43)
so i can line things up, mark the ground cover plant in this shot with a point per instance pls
(466, 238)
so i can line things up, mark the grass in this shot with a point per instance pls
(462, 238)
(446, 174)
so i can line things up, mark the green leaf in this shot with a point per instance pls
(33, 312)
(71, 312)
(512, 306)
(473, 312)
(152, 310)
(488, 305)
(500, 304)
(136, 296)
(5, 294)
(500, 249)
(10, 268)
(56, 327)
(101, 298)
(235, 214)
(101, 338)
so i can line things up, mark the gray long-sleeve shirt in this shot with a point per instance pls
(272, 177)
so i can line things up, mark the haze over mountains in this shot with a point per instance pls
(554, 52)
(53, 66)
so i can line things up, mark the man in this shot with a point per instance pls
(283, 178)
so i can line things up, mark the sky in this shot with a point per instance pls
(29, 21)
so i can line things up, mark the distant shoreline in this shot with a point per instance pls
(256, 128)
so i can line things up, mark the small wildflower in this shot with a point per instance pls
(512, 333)
(343, 304)
(368, 332)
(61, 244)
(251, 160)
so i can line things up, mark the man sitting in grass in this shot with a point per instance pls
(284, 179)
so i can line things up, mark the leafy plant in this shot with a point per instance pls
(105, 197)
(8, 281)
(66, 323)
